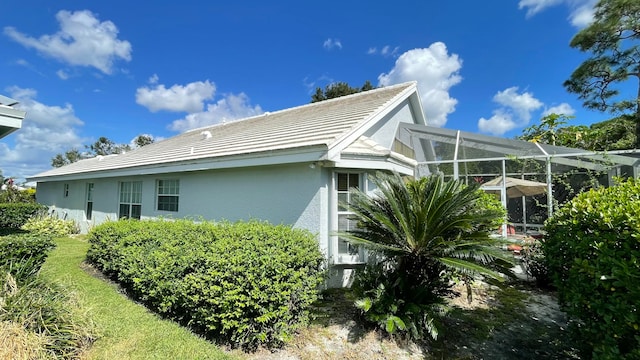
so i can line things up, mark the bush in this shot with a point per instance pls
(535, 264)
(14, 215)
(48, 315)
(592, 250)
(423, 233)
(245, 284)
(22, 255)
(400, 306)
(18, 343)
(12, 195)
(47, 225)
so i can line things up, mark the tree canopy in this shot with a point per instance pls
(103, 146)
(613, 39)
(613, 134)
(338, 89)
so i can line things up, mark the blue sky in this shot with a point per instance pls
(119, 69)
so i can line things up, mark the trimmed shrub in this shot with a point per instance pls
(14, 215)
(593, 254)
(50, 226)
(245, 284)
(22, 255)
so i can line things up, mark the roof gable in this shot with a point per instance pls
(330, 125)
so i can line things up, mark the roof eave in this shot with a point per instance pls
(336, 148)
(287, 156)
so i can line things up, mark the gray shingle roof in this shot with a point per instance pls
(322, 124)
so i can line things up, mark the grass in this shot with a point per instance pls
(126, 330)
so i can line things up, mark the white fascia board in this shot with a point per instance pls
(249, 160)
(417, 109)
(376, 165)
(334, 151)
(11, 112)
(10, 121)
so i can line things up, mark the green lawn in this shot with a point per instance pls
(126, 330)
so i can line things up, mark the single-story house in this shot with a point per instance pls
(291, 166)
(10, 118)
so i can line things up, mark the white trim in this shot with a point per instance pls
(335, 257)
(339, 145)
(247, 160)
(375, 165)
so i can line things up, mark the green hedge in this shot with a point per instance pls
(22, 255)
(14, 215)
(592, 251)
(244, 284)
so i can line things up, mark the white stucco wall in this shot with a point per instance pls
(384, 131)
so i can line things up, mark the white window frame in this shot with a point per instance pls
(345, 258)
(88, 213)
(160, 186)
(66, 190)
(128, 199)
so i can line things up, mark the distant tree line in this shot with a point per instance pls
(103, 146)
(338, 89)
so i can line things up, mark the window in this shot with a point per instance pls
(66, 190)
(130, 200)
(89, 210)
(347, 252)
(168, 195)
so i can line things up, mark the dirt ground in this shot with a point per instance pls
(519, 322)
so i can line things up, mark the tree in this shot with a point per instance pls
(338, 89)
(103, 146)
(614, 134)
(68, 157)
(426, 232)
(613, 39)
(143, 140)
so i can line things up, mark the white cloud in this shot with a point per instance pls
(231, 107)
(514, 111)
(582, 14)
(330, 44)
(188, 98)
(522, 104)
(81, 41)
(436, 72)
(46, 131)
(535, 6)
(154, 79)
(385, 51)
(62, 74)
(580, 11)
(497, 124)
(562, 109)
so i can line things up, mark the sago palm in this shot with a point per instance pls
(426, 231)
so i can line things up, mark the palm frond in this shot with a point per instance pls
(470, 268)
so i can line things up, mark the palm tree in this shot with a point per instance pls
(422, 232)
